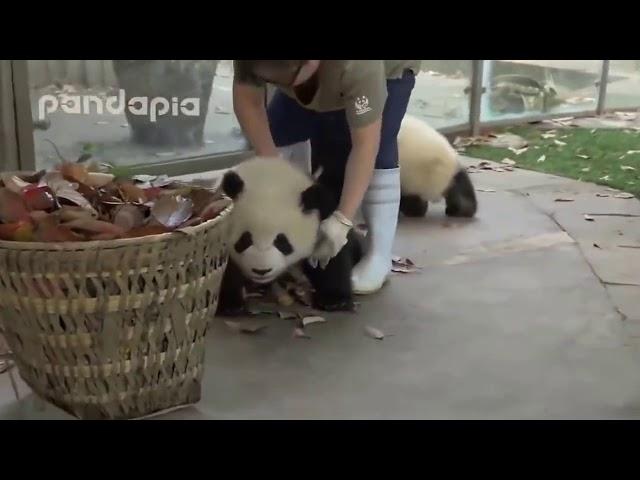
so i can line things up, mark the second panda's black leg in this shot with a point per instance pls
(231, 299)
(413, 206)
(461, 196)
(332, 284)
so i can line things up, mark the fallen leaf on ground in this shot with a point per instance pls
(596, 245)
(311, 320)
(602, 195)
(508, 161)
(626, 167)
(403, 265)
(548, 135)
(519, 151)
(586, 169)
(561, 199)
(486, 190)
(560, 143)
(605, 178)
(374, 333)
(588, 218)
(582, 156)
(624, 196)
(247, 326)
(541, 159)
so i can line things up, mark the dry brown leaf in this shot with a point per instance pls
(132, 193)
(172, 211)
(311, 320)
(246, 326)
(98, 179)
(403, 265)
(12, 207)
(95, 226)
(374, 333)
(129, 217)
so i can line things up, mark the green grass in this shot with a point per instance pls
(604, 147)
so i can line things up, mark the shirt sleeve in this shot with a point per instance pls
(242, 74)
(365, 92)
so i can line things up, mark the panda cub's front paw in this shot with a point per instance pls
(333, 303)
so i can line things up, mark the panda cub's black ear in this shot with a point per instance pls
(318, 197)
(232, 184)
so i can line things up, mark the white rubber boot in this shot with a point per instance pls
(380, 211)
(299, 154)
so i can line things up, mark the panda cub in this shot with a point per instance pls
(430, 171)
(274, 226)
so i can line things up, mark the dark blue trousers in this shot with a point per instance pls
(329, 132)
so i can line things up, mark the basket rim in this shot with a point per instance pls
(98, 244)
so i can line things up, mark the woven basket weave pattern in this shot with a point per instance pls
(113, 329)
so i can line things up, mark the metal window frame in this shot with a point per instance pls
(16, 123)
(16, 127)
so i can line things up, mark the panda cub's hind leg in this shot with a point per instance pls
(413, 206)
(461, 196)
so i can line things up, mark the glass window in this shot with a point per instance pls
(441, 92)
(521, 88)
(623, 85)
(132, 112)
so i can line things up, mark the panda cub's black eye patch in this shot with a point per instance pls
(244, 242)
(282, 243)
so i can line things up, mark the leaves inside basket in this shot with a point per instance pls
(81, 201)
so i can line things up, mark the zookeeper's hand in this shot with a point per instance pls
(333, 232)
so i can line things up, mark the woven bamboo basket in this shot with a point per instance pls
(114, 329)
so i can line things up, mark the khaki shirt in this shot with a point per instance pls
(357, 86)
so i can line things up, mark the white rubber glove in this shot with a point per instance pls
(333, 236)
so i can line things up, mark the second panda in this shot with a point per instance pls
(429, 172)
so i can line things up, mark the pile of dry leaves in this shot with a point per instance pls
(82, 201)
